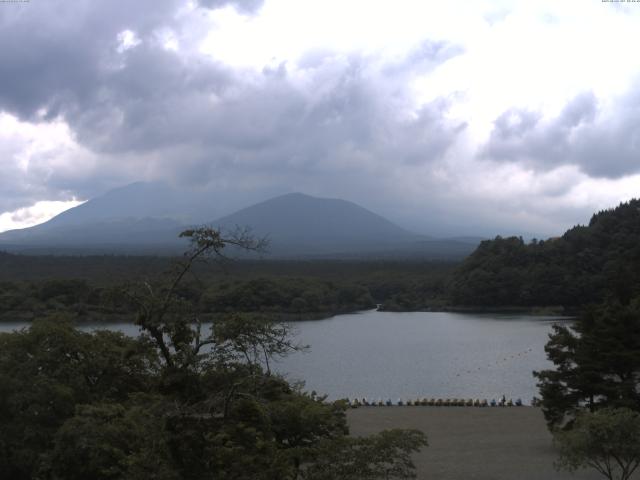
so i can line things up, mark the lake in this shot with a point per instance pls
(407, 355)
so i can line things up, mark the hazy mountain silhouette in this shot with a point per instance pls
(142, 215)
(296, 224)
(137, 214)
(147, 217)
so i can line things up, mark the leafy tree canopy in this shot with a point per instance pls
(597, 363)
(607, 440)
(585, 265)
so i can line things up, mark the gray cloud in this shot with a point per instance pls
(334, 124)
(244, 6)
(424, 57)
(606, 146)
(60, 50)
(151, 112)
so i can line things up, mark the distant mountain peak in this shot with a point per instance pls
(152, 214)
(297, 221)
(303, 196)
(294, 195)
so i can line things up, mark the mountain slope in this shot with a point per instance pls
(297, 223)
(148, 217)
(137, 200)
(140, 214)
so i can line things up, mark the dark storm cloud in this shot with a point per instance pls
(582, 134)
(149, 111)
(59, 50)
(56, 59)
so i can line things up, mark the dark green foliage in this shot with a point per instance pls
(178, 402)
(586, 265)
(287, 295)
(87, 288)
(607, 440)
(383, 456)
(294, 297)
(597, 363)
(48, 370)
(105, 441)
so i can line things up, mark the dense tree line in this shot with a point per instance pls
(299, 298)
(295, 290)
(104, 270)
(586, 265)
(289, 295)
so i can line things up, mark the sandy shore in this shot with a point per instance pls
(473, 443)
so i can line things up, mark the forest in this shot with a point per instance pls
(89, 288)
(586, 265)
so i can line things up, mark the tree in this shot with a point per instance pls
(177, 403)
(48, 370)
(597, 364)
(105, 441)
(607, 440)
(167, 317)
(233, 418)
(384, 456)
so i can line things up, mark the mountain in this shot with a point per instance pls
(140, 215)
(300, 224)
(137, 200)
(147, 218)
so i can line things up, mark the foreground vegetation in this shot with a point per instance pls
(175, 403)
(591, 399)
(607, 440)
(78, 405)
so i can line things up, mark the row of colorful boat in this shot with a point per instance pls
(433, 402)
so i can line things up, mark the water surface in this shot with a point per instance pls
(427, 354)
(407, 355)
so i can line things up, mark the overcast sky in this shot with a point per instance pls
(446, 117)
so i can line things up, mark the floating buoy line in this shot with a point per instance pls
(499, 362)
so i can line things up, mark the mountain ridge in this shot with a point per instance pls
(147, 216)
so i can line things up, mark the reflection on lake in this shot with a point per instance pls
(424, 354)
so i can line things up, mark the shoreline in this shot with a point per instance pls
(541, 311)
(288, 317)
